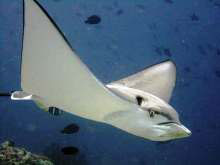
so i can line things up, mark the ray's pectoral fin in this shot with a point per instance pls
(158, 80)
(52, 70)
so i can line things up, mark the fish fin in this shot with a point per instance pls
(158, 80)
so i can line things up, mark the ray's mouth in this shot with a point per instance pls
(179, 130)
(169, 122)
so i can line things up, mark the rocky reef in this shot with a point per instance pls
(11, 155)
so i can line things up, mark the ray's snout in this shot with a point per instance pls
(179, 131)
(185, 130)
(173, 130)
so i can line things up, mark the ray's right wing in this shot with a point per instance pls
(158, 80)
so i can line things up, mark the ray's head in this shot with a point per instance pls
(163, 123)
(154, 120)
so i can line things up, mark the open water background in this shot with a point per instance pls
(131, 35)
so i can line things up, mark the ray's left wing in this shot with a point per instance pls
(52, 71)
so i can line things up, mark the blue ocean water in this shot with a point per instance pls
(130, 36)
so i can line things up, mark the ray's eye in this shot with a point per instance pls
(152, 113)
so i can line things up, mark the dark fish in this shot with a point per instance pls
(217, 73)
(218, 51)
(55, 111)
(217, 4)
(187, 69)
(214, 125)
(202, 50)
(94, 19)
(115, 4)
(70, 129)
(142, 7)
(153, 26)
(176, 29)
(167, 52)
(119, 12)
(198, 130)
(194, 17)
(169, 1)
(210, 46)
(70, 150)
(158, 50)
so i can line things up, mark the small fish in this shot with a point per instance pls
(55, 111)
(217, 73)
(169, 1)
(210, 47)
(218, 51)
(158, 50)
(187, 69)
(167, 52)
(217, 4)
(141, 8)
(202, 50)
(70, 129)
(119, 12)
(94, 19)
(70, 150)
(194, 17)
